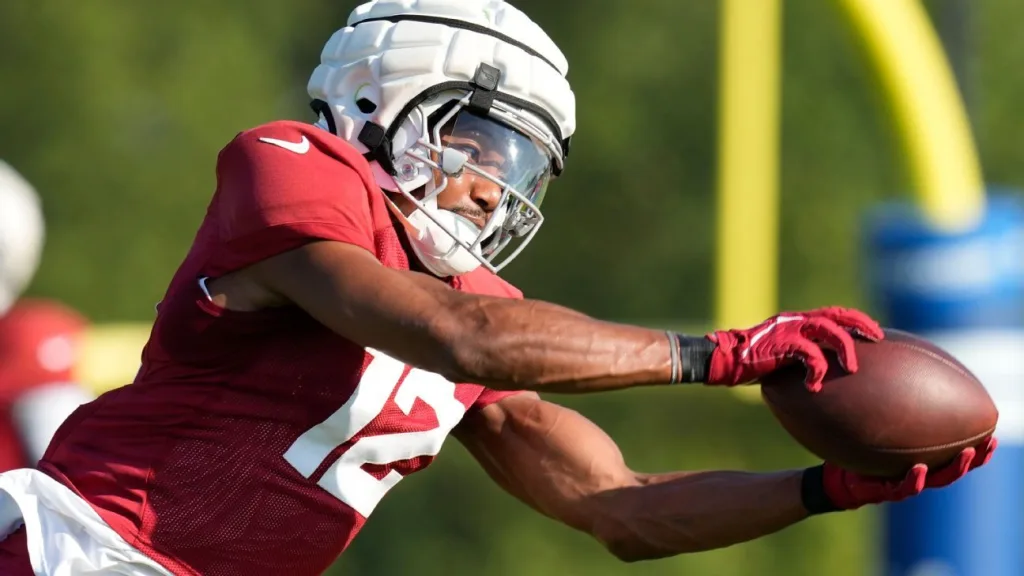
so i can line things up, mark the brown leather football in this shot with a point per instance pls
(910, 402)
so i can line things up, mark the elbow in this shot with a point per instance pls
(621, 542)
(628, 542)
(625, 552)
(630, 549)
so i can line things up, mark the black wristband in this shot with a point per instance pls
(812, 492)
(694, 357)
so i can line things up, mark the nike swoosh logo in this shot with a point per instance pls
(300, 147)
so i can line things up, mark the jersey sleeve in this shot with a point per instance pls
(278, 189)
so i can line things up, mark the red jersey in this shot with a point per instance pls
(259, 442)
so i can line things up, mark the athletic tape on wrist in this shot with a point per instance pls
(812, 492)
(694, 358)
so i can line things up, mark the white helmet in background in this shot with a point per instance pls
(403, 71)
(21, 235)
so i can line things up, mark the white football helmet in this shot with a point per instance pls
(21, 235)
(404, 71)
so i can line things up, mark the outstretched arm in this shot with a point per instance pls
(564, 466)
(529, 344)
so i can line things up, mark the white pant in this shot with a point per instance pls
(65, 535)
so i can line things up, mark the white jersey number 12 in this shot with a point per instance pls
(345, 479)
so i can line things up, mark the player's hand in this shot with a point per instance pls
(849, 491)
(743, 356)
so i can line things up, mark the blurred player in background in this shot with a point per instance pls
(338, 316)
(40, 342)
(39, 339)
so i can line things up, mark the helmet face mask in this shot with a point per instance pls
(517, 160)
(432, 92)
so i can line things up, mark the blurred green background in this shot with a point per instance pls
(116, 110)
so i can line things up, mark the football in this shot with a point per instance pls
(910, 402)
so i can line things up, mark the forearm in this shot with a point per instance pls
(535, 345)
(670, 514)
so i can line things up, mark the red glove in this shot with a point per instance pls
(743, 356)
(849, 491)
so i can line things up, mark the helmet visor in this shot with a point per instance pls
(510, 159)
(514, 158)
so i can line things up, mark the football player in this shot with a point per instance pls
(39, 348)
(338, 316)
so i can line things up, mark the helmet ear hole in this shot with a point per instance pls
(366, 106)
